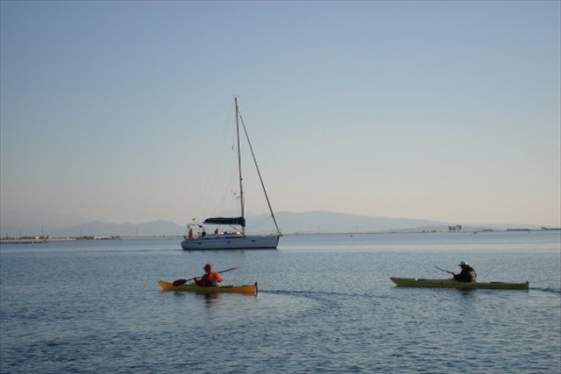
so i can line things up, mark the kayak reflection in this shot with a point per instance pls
(212, 299)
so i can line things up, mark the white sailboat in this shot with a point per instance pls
(197, 237)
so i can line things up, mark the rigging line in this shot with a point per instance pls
(259, 173)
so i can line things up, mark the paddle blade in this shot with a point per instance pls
(179, 282)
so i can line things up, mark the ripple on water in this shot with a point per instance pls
(90, 310)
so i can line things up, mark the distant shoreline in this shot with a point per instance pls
(46, 239)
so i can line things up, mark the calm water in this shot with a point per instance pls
(326, 305)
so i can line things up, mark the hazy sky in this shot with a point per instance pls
(123, 111)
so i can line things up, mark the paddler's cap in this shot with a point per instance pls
(463, 263)
(207, 267)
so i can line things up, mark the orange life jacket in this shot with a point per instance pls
(209, 280)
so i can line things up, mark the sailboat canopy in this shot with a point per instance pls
(225, 221)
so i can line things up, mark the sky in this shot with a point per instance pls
(123, 111)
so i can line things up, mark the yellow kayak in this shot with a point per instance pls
(451, 283)
(246, 289)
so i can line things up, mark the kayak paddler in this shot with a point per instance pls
(467, 274)
(210, 279)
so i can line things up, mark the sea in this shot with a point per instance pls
(325, 305)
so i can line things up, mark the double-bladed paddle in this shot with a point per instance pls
(444, 270)
(179, 282)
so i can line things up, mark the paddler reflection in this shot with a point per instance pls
(212, 298)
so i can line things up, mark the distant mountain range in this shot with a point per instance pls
(289, 223)
(330, 222)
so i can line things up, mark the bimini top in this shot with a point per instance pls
(225, 221)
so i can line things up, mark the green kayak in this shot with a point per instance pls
(451, 283)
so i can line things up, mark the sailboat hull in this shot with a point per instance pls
(231, 242)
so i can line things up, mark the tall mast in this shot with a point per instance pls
(239, 160)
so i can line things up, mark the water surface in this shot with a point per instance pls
(326, 305)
